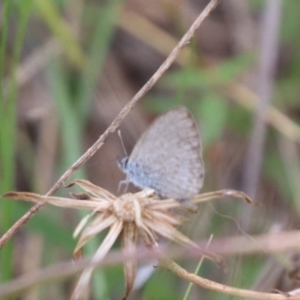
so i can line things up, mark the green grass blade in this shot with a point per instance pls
(61, 30)
(8, 133)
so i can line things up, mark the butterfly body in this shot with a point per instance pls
(138, 174)
(167, 158)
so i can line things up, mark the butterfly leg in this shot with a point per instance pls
(126, 183)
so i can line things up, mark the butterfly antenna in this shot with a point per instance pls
(122, 142)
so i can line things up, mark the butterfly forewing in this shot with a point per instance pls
(167, 157)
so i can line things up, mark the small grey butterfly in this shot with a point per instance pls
(167, 158)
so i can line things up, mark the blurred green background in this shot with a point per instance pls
(67, 68)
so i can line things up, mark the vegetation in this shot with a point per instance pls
(67, 68)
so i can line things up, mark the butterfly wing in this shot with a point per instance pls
(170, 152)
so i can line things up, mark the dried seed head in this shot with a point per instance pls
(125, 207)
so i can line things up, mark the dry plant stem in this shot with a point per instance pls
(221, 288)
(267, 63)
(239, 93)
(235, 246)
(115, 124)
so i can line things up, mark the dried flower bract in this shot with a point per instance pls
(130, 216)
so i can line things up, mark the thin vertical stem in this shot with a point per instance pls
(267, 63)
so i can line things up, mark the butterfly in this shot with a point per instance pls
(168, 157)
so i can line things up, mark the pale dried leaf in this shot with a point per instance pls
(89, 232)
(95, 190)
(168, 217)
(170, 233)
(146, 194)
(82, 285)
(129, 240)
(83, 222)
(138, 213)
(80, 196)
(164, 204)
(221, 194)
(81, 289)
(148, 235)
(57, 201)
(81, 225)
(102, 222)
